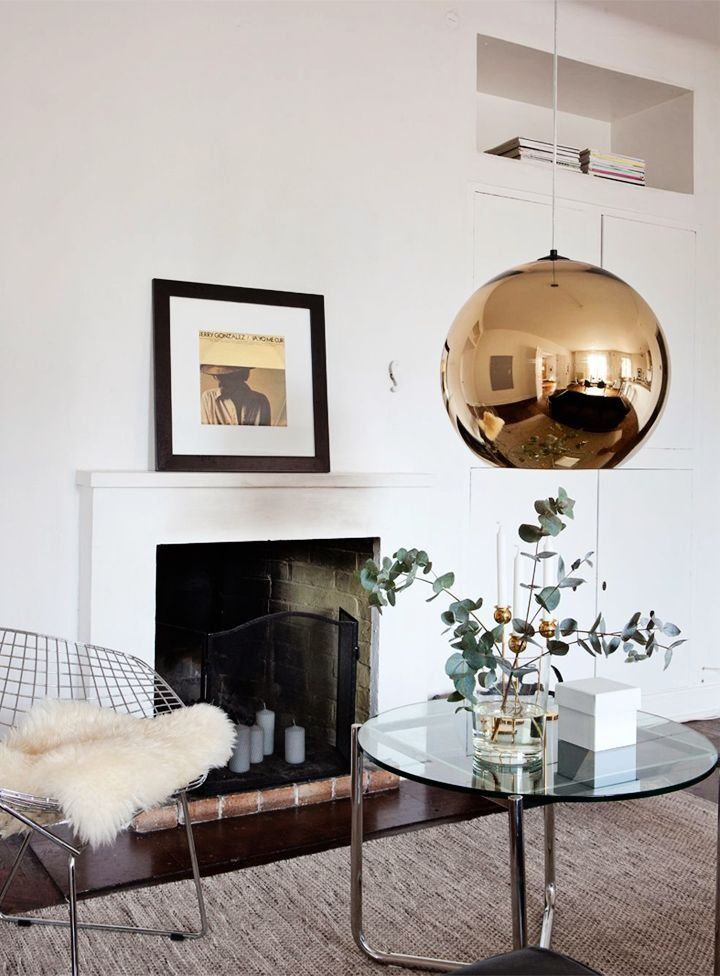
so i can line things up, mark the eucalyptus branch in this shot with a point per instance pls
(476, 659)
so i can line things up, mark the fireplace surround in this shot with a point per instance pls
(125, 516)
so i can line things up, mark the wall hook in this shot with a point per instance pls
(392, 372)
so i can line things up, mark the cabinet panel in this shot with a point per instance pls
(644, 558)
(658, 262)
(510, 231)
(506, 496)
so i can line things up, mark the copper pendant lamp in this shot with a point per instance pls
(555, 363)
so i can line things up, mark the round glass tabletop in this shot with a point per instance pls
(431, 743)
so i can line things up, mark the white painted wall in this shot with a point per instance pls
(320, 147)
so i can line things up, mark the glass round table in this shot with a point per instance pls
(431, 742)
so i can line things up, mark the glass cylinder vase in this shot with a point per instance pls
(509, 717)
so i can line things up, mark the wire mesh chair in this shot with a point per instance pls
(34, 667)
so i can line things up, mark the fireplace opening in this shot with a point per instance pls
(277, 625)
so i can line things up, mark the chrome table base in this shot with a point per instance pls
(514, 806)
(72, 922)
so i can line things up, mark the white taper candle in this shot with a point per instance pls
(501, 568)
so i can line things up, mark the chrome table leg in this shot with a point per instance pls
(550, 889)
(517, 872)
(356, 841)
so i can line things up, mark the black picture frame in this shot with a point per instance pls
(170, 459)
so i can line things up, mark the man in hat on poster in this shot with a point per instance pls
(233, 401)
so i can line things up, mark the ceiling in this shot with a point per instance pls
(698, 19)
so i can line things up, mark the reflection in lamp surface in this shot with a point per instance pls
(555, 364)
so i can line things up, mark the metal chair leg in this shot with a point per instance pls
(195, 871)
(72, 922)
(72, 904)
(550, 886)
(356, 841)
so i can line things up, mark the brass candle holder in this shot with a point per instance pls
(502, 615)
(548, 628)
(517, 644)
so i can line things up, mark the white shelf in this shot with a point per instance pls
(525, 177)
(598, 107)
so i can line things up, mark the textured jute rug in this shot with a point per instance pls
(636, 896)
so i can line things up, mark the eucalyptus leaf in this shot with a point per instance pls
(670, 630)
(465, 686)
(551, 524)
(522, 627)
(443, 582)
(530, 533)
(613, 645)
(548, 598)
(565, 505)
(568, 626)
(456, 664)
(558, 647)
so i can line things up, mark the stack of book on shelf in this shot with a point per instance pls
(537, 151)
(613, 166)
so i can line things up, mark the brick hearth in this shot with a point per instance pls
(257, 801)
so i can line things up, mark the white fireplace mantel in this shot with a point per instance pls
(196, 479)
(126, 515)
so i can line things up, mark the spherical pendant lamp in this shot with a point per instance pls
(554, 364)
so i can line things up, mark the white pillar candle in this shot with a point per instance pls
(240, 759)
(256, 744)
(517, 610)
(295, 744)
(265, 718)
(501, 567)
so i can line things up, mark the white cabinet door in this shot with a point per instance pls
(659, 263)
(510, 231)
(644, 563)
(506, 496)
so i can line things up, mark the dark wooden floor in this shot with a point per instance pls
(227, 845)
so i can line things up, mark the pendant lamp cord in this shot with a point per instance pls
(555, 101)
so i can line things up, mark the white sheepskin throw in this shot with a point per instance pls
(102, 767)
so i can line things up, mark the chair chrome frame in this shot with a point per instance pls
(34, 667)
(515, 808)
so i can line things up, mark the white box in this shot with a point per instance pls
(597, 713)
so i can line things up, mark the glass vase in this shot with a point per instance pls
(509, 719)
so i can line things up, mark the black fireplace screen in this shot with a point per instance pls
(299, 665)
